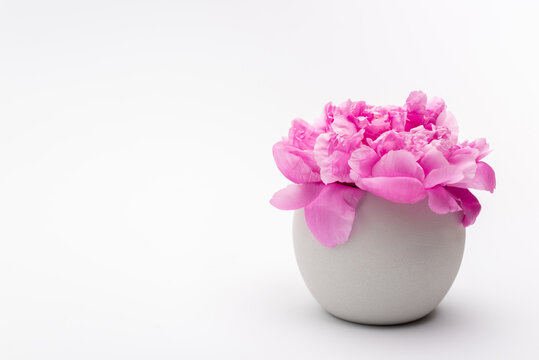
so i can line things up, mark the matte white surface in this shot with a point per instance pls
(398, 264)
(136, 170)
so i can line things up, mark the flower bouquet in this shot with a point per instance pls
(382, 197)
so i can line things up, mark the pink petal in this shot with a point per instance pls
(446, 175)
(326, 119)
(398, 163)
(416, 102)
(342, 126)
(433, 159)
(377, 126)
(441, 202)
(484, 179)
(434, 108)
(447, 120)
(468, 202)
(415, 107)
(464, 159)
(331, 215)
(361, 162)
(397, 117)
(296, 196)
(390, 140)
(480, 145)
(332, 158)
(406, 190)
(297, 165)
(302, 135)
(438, 169)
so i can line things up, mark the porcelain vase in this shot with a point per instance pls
(396, 267)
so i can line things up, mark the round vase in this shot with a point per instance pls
(398, 264)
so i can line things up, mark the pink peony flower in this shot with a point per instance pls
(402, 154)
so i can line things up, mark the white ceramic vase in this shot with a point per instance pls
(398, 264)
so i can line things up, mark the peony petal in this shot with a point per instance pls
(342, 126)
(468, 202)
(390, 140)
(332, 154)
(480, 145)
(416, 102)
(415, 107)
(447, 119)
(302, 135)
(406, 190)
(438, 169)
(397, 118)
(465, 160)
(433, 159)
(296, 196)
(484, 179)
(298, 166)
(445, 175)
(441, 202)
(398, 163)
(361, 162)
(331, 215)
(379, 124)
(327, 117)
(434, 108)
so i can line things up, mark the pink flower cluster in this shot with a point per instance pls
(402, 154)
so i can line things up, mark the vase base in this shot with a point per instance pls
(386, 322)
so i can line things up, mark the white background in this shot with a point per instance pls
(136, 169)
